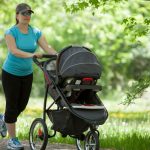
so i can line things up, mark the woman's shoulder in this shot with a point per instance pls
(11, 30)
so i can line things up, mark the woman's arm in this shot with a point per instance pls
(44, 45)
(11, 44)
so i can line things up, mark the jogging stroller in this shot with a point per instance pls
(71, 81)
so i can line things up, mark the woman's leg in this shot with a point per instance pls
(11, 127)
(17, 91)
(26, 85)
(11, 85)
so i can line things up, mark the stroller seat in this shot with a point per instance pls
(80, 93)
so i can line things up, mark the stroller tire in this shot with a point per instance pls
(80, 142)
(92, 141)
(38, 135)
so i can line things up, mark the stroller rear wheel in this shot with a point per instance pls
(92, 141)
(38, 135)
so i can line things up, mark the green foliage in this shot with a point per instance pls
(78, 5)
(106, 33)
(137, 29)
(137, 89)
(135, 26)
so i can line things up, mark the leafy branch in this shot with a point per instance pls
(137, 88)
(135, 27)
(80, 5)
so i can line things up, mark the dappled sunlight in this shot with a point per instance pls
(33, 111)
(139, 105)
(122, 127)
(131, 115)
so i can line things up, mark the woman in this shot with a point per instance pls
(22, 41)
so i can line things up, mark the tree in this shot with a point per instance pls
(135, 26)
(101, 29)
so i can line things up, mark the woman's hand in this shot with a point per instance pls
(38, 55)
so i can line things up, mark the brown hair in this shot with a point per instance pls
(17, 21)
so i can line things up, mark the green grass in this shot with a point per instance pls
(127, 128)
(128, 131)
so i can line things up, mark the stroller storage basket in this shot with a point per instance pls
(67, 123)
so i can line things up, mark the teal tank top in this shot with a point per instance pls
(26, 42)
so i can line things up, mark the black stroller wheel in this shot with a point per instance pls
(92, 141)
(80, 142)
(38, 135)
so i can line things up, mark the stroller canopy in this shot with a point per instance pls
(75, 61)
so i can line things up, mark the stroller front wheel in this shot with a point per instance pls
(38, 135)
(80, 142)
(92, 141)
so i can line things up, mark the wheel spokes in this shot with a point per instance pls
(92, 141)
(38, 134)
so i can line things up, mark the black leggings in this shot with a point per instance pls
(17, 90)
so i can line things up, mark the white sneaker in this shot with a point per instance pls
(14, 144)
(3, 129)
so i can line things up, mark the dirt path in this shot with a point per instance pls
(3, 143)
(49, 146)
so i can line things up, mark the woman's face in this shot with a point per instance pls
(24, 18)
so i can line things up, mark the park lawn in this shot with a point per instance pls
(127, 128)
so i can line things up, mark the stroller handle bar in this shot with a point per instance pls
(49, 56)
(36, 59)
